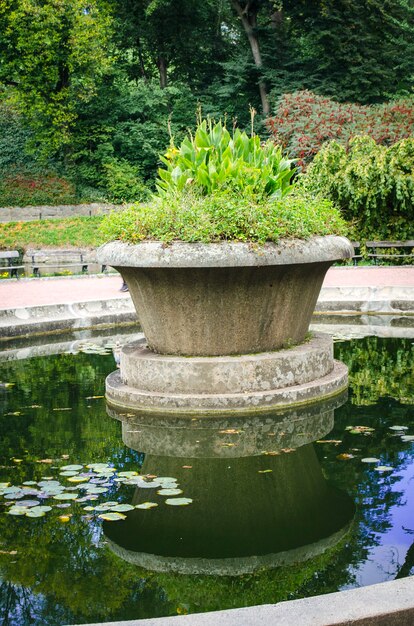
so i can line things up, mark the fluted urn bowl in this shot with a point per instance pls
(224, 298)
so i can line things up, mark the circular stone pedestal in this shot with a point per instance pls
(246, 383)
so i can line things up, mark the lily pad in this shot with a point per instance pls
(17, 511)
(407, 438)
(122, 508)
(65, 496)
(69, 473)
(128, 474)
(370, 459)
(169, 492)
(178, 501)
(29, 503)
(383, 468)
(112, 517)
(78, 479)
(146, 505)
(398, 427)
(35, 513)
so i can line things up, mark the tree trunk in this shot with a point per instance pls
(248, 17)
(162, 68)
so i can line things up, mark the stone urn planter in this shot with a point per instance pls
(218, 319)
(218, 299)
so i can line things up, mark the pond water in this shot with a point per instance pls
(241, 512)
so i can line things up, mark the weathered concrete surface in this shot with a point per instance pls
(376, 299)
(228, 436)
(148, 371)
(154, 254)
(64, 317)
(385, 604)
(225, 298)
(30, 213)
(125, 397)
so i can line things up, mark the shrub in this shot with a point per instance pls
(372, 184)
(123, 182)
(25, 189)
(220, 187)
(304, 121)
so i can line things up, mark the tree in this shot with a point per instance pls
(53, 53)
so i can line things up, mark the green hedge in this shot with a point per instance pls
(373, 185)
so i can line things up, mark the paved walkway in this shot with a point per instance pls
(40, 291)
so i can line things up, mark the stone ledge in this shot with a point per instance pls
(158, 373)
(126, 397)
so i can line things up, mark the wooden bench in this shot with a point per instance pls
(42, 261)
(9, 262)
(357, 252)
(399, 250)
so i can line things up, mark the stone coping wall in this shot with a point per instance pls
(29, 213)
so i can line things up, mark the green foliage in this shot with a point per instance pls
(73, 231)
(213, 160)
(223, 216)
(304, 121)
(53, 52)
(373, 185)
(220, 187)
(123, 182)
(379, 368)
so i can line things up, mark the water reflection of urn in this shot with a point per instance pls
(253, 505)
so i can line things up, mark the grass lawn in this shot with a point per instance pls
(72, 231)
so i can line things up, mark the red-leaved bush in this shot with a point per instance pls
(23, 189)
(304, 121)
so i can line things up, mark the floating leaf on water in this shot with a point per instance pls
(407, 438)
(64, 518)
(66, 408)
(398, 427)
(78, 479)
(64, 505)
(383, 468)
(49, 480)
(103, 507)
(287, 450)
(34, 513)
(17, 511)
(265, 471)
(29, 482)
(112, 517)
(345, 456)
(94, 397)
(187, 466)
(17, 460)
(65, 496)
(230, 431)
(334, 441)
(144, 484)
(228, 445)
(65, 456)
(178, 501)
(121, 508)
(94, 466)
(370, 459)
(68, 473)
(146, 505)
(71, 468)
(45, 461)
(88, 508)
(95, 490)
(29, 503)
(169, 492)
(128, 474)
(6, 385)
(5, 485)
(11, 489)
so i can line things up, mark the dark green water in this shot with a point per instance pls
(262, 494)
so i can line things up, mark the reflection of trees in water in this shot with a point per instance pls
(375, 495)
(379, 367)
(56, 382)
